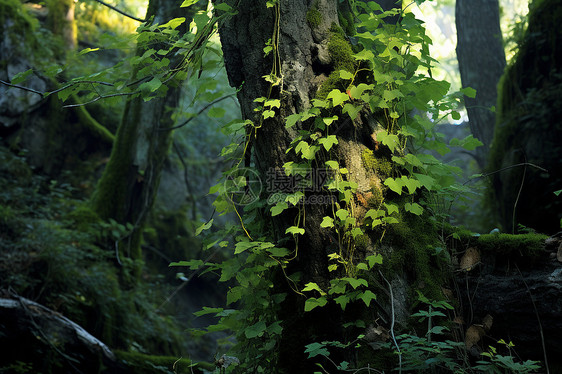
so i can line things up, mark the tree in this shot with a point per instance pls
(130, 180)
(481, 58)
(314, 103)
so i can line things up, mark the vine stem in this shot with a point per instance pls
(392, 323)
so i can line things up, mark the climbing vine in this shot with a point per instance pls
(383, 80)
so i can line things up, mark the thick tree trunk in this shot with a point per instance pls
(481, 60)
(303, 63)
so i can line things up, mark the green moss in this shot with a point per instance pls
(346, 17)
(84, 218)
(375, 201)
(314, 17)
(381, 166)
(413, 243)
(90, 123)
(341, 55)
(140, 363)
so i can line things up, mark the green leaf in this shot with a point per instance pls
(291, 120)
(390, 140)
(316, 349)
(342, 214)
(278, 252)
(356, 282)
(255, 330)
(328, 121)
(469, 143)
(342, 300)
(272, 103)
(410, 183)
(173, 23)
(204, 226)
(332, 164)
(337, 97)
(374, 259)
(394, 184)
(87, 50)
(557, 193)
(469, 91)
(151, 86)
(207, 310)
(344, 74)
(294, 230)
(351, 110)
(327, 222)
(278, 208)
(216, 112)
(188, 3)
(268, 114)
(367, 296)
(414, 208)
(328, 142)
(243, 246)
(313, 302)
(425, 180)
(311, 286)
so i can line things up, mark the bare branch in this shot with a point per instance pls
(120, 11)
(198, 113)
(22, 88)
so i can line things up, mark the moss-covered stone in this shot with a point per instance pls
(139, 363)
(380, 165)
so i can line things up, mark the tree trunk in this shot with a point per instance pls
(481, 58)
(303, 62)
(130, 180)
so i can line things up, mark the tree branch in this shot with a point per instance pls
(120, 11)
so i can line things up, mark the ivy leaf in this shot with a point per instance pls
(278, 208)
(294, 230)
(327, 222)
(204, 226)
(292, 120)
(332, 164)
(243, 246)
(278, 252)
(414, 208)
(328, 121)
(367, 296)
(272, 103)
(268, 114)
(342, 300)
(188, 3)
(216, 112)
(390, 140)
(328, 142)
(469, 143)
(151, 85)
(311, 286)
(337, 97)
(425, 180)
(316, 349)
(410, 183)
(342, 214)
(469, 91)
(394, 184)
(255, 330)
(374, 259)
(356, 282)
(351, 110)
(344, 74)
(313, 302)
(391, 208)
(173, 23)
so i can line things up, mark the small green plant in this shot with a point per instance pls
(499, 364)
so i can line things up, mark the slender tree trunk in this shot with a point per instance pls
(481, 59)
(129, 183)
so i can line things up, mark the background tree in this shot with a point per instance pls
(481, 58)
(529, 130)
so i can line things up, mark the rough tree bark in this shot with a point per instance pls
(481, 58)
(304, 63)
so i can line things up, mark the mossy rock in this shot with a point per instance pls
(139, 363)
